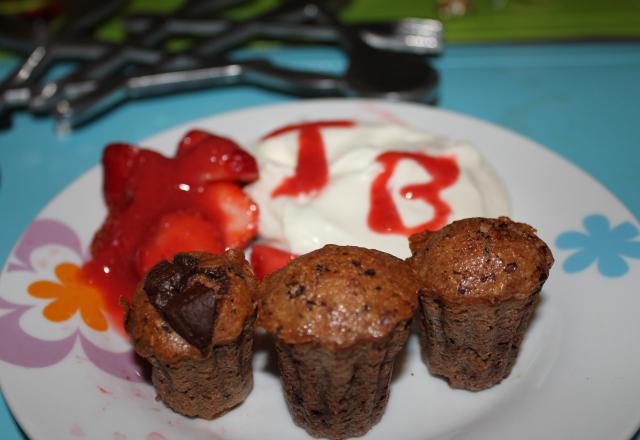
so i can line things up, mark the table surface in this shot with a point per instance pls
(579, 100)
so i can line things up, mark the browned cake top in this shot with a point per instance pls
(485, 258)
(184, 307)
(336, 296)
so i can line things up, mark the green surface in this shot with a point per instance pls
(519, 20)
(486, 21)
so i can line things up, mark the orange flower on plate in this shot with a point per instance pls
(69, 296)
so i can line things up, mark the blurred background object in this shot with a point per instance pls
(385, 59)
(125, 50)
(464, 20)
(483, 21)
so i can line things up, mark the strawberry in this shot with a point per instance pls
(266, 259)
(190, 140)
(159, 205)
(235, 213)
(118, 161)
(213, 158)
(178, 231)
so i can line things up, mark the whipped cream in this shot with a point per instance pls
(338, 213)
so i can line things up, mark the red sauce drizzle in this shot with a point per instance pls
(312, 170)
(383, 214)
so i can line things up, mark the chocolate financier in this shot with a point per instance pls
(193, 319)
(481, 280)
(340, 315)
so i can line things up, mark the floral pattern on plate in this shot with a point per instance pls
(601, 244)
(65, 297)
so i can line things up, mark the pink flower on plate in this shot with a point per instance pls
(68, 297)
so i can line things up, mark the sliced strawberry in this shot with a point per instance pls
(212, 158)
(266, 259)
(118, 161)
(178, 231)
(236, 214)
(190, 140)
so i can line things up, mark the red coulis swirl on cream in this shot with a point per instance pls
(384, 216)
(366, 184)
(312, 171)
(312, 174)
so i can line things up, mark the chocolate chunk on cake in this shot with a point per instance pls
(193, 319)
(340, 315)
(481, 280)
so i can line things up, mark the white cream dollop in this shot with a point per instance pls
(338, 213)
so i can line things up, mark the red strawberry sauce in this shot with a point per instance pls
(383, 214)
(312, 171)
(312, 174)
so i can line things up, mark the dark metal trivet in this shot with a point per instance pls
(388, 59)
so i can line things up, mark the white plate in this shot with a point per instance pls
(576, 376)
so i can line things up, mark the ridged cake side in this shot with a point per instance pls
(339, 394)
(481, 280)
(209, 387)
